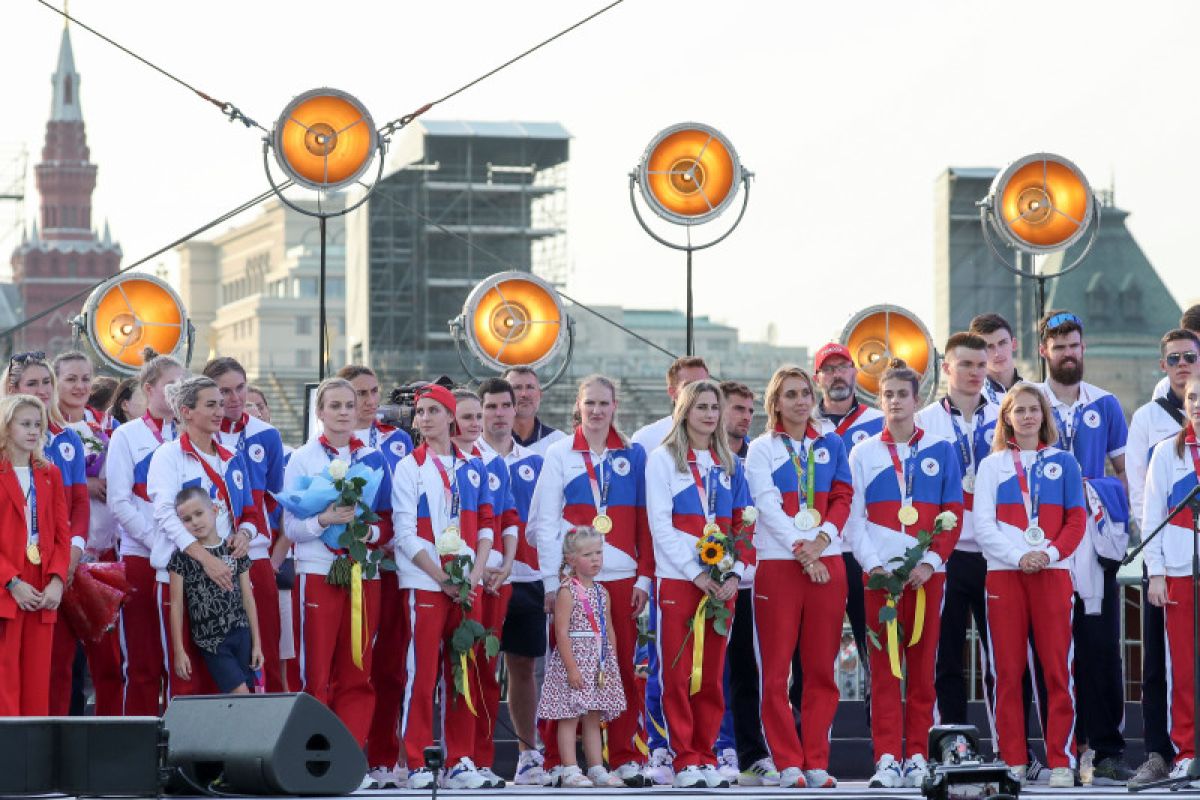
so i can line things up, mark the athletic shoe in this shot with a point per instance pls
(1019, 773)
(760, 773)
(658, 768)
(573, 778)
(367, 782)
(463, 775)
(713, 777)
(690, 778)
(1037, 772)
(792, 778)
(401, 777)
(529, 769)
(916, 770)
(1180, 770)
(490, 779)
(632, 774)
(727, 765)
(819, 779)
(553, 777)
(1152, 769)
(1111, 772)
(1062, 778)
(599, 776)
(382, 778)
(887, 774)
(421, 778)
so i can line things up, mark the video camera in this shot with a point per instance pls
(956, 772)
(398, 410)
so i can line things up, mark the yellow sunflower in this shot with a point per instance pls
(711, 552)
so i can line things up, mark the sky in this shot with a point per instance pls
(846, 113)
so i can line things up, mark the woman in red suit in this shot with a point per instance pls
(35, 551)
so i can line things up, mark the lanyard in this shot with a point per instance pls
(850, 419)
(804, 475)
(1030, 490)
(331, 452)
(215, 480)
(31, 499)
(906, 473)
(238, 427)
(968, 453)
(988, 387)
(595, 617)
(449, 486)
(602, 482)
(708, 493)
(156, 427)
(1067, 435)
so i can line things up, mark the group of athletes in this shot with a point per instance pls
(687, 585)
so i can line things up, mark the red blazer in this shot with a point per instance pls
(54, 534)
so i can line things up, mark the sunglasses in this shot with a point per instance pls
(1173, 359)
(22, 358)
(1059, 320)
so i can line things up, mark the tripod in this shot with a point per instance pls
(1191, 501)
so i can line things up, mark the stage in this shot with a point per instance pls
(849, 790)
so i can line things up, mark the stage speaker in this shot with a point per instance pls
(27, 755)
(689, 173)
(324, 139)
(877, 334)
(1041, 203)
(111, 756)
(281, 744)
(131, 312)
(514, 318)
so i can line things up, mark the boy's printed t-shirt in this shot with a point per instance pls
(212, 611)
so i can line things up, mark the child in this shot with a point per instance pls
(583, 683)
(224, 624)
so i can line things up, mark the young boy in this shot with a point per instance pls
(224, 625)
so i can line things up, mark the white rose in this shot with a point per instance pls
(946, 520)
(726, 564)
(449, 544)
(749, 515)
(337, 469)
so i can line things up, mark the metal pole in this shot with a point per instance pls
(691, 343)
(1041, 310)
(321, 338)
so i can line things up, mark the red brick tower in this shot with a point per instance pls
(62, 254)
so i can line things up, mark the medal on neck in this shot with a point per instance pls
(600, 481)
(807, 517)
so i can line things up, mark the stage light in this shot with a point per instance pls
(689, 174)
(514, 318)
(879, 333)
(1041, 203)
(129, 313)
(324, 139)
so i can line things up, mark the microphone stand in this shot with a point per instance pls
(1191, 501)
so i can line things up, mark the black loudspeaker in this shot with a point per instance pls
(82, 755)
(288, 744)
(27, 755)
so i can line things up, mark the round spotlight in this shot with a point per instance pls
(689, 174)
(514, 318)
(324, 139)
(1041, 203)
(879, 333)
(129, 313)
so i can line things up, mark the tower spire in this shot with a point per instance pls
(64, 101)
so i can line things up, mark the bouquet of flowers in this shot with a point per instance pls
(469, 632)
(92, 603)
(95, 445)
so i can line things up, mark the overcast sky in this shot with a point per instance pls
(847, 112)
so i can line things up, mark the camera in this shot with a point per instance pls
(398, 410)
(956, 772)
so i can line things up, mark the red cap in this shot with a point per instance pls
(441, 394)
(829, 351)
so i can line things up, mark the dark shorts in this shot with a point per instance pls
(524, 630)
(230, 665)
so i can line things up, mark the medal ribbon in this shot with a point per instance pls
(595, 616)
(1030, 491)
(704, 487)
(237, 426)
(156, 427)
(850, 419)
(218, 482)
(906, 473)
(600, 483)
(968, 452)
(1067, 436)
(804, 476)
(450, 487)
(31, 498)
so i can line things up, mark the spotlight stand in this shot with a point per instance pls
(458, 332)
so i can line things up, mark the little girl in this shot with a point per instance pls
(583, 683)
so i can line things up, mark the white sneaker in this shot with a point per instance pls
(382, 778)
(553, 777)
(713, 777)
(887, 774)
(916, 770)
(727, 765)
(1062, 778)
(573, 778)
(367, 782)
(420, 778)
(463, 775)
(1037, 772)
(401, 777)
(760, 773)
(819, 779)
(690, 778)
(792, 778)
(530, 771)
(490, 779)
(1018, 772)
(631, 774)
(658, 768)
(599, 776)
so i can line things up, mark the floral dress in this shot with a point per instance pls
(559, 700)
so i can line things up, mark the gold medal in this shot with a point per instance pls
(712, 529)
(33, 554)
(908, 515)
(602, 523)
(451, 530)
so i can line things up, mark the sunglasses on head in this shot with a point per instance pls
(21, 358)
(1188, 357)
(1059, 320)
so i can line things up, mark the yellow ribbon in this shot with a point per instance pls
(661, 730)
(698, 646)
(357, 614)
(467, 683)
(639, 743)
(893, 643)
(918, 618)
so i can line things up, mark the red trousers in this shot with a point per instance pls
(201, 681)
(432, 618)
(795, 611)
(1180, 652)
(625, 731)
(25, 644)
(266, 605)
(895, 719)
(327, 666)
(104, 664)
(1042, 604)
(692, 720)
(141, 641)
(492, 608)
(388, 675)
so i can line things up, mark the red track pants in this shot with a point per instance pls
(388, 675)
(892, 717)
(626, 730)
(25, 644)
(795, 611)
(1180, 652)
(141, 642)
(201, 681)
(492, 610)
(327, 666)
(266, 605)
(432, 618)
(1041, 603)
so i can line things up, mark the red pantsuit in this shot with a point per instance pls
(141, 640)
(266, 605)
(895, 719)
(492, 607)
(200, 682)
(1180, 652)
(327, 666)
(432, 617)
(1040, 603)
(795, 611)
(692, 720)
(388, 675)
(104, 665)
(26, 640)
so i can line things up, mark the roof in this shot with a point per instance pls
(10, 305)
(64, 104)
(496, 130)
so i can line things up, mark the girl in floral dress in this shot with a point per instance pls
(583, 683)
